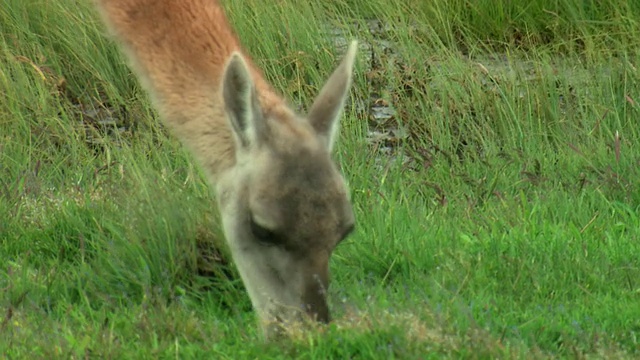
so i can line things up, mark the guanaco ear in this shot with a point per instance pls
(325, 112)
(241, 101)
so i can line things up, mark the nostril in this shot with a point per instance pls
(325, 319)
(317, 309)
(315, 295)
(319, 313)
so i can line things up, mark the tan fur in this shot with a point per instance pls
(179, 49)
(284, 204)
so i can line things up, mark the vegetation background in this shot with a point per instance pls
(491, 148)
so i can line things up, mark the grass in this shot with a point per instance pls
(498, 214)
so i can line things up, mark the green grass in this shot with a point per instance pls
(505, 225)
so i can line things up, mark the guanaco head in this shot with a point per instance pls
(285, 206)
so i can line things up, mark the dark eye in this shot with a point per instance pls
(263, 234)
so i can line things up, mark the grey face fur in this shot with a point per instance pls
(284, 204)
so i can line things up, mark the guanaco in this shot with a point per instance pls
(283, 202)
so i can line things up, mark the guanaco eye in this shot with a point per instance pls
(263, 234)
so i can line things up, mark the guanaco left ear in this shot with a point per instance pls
(325, 112)
(241, 101)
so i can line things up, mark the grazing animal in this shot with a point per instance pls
(283, 202)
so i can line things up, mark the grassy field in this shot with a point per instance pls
(498, 200)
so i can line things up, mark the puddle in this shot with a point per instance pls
(101, 124)
(384, 62)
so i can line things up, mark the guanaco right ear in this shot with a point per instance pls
(326, 109)
(241, 101)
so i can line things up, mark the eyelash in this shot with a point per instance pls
(263, 234)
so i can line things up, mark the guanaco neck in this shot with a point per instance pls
(179, 49)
